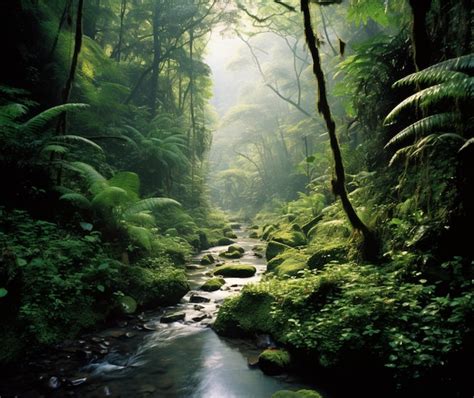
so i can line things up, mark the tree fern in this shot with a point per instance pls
(128, 181)
(76, 139)
(150, 204)
(95, 180)
(35, 124)
(111, 197)
(54, 148)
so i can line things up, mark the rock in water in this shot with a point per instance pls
(54, 383)
(252, 361)
(173, 317)
(198, 299)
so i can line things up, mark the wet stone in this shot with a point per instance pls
(198, 307)
(54, 383)
(199, 318)
(199, 299)
(174, 317)
(252, 361)
(77, 382)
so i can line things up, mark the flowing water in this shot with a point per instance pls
(187, 358)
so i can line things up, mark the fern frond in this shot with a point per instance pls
(95, 180)
(128, 181)
(9, 113)
(150, 204)
(140, 235)
(424, 126)
(468, 144)
(142, 219)
(429, 77)
(68, 138)
(76, 199)
(111, 197)
(400, 154)
(37, 122)
(463, 63)
(59, 149)
(451, 90)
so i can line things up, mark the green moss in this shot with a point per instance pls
(290, 238)
(253, 235)
(289, 262)
(274, 361)
(230, 234)
(236, 270)
(208, 259)
(127, 304)
(274, 249)
(213, 284)
(245, 314)
(238, 248)
(231, 254)
(165, 285)
(224, 241)
(297, 394)
(332, 252)
(268, 230)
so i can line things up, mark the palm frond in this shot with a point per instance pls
(37, 122)
(424, 126)
(150, 204)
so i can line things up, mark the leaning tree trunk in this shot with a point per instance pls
(338, 182)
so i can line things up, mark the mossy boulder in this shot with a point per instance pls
(224, 241)
(238, 248)
(290, 238)
(213, 284)
(235, 225)
(268, 230)
(274, 249)
(333, 252)
(128, 305)
(203, 240)
(297, 394)
(165, 285)
(289, 262)
(274, 361)
(246, 315)
(230, 234)
(235, 270)
(208, 259)
(253, 235)
(231, 254)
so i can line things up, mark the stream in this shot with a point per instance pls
(187, 358)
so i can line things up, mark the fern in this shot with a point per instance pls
(462, 63)
(141, 236)
(35, 124)
(95, 180)
(53, 148)
(128, 181)
(150, 204)
(424, 126)
(142, 219)
(429, 76)
(111, 197)
(77, 200)
(76, 139)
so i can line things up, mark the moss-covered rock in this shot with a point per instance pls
(238, 248)
(235, 270)
(332, 252)
(253, 235)
(289, 263)
(230, 234)
(213, 284)
(274, 249)
(231, 254)
(224, 241)
(235, 225)
(274, 361)
(297, 394)
(208, 259)
(165, 285)
(291, 238)
(127, 304)
(245, 315)
(268, 230)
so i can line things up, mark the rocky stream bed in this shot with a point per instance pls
(170, 352)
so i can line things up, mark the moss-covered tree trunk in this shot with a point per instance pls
(338, 182)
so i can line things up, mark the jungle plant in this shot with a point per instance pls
(445, 106)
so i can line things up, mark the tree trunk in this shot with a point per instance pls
(420, 38)
(123, 9)
(369, 247)
(192, 141)
(72, 71)
(156, 60)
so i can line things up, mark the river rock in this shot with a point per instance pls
(173, 317)
(198, 299)
(77, 382)
(54, 383)
(252, 361)
(192, 267)
(198, 307)
(199, 318)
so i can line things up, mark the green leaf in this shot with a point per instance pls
(21, 262)
(101, 288)
(86, 226)
(3, 292)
